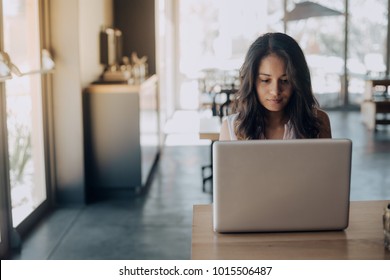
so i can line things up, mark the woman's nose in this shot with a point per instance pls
(275, 88)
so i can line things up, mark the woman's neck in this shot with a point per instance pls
(275, 125)
(276, 119)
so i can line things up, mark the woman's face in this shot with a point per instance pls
(272, 85)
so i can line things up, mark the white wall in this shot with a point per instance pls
(166, 62)
(75, 26)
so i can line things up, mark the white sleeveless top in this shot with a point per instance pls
(289, 132)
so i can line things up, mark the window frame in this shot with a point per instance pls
(5, 199)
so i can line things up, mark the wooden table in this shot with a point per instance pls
(209, 128)
(376, 103)
(363, 239)
(371, 111)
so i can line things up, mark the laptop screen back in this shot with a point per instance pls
(281, 185)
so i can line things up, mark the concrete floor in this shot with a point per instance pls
(157, 224)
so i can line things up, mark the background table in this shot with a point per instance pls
(375, 108)
(363, 239)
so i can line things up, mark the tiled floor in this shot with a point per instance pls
(157, 225)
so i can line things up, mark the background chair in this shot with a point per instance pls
(222, 111)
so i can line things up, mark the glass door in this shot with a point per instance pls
(4, 194)
(23, 104)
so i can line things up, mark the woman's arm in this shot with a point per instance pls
(325, 130)
(224, 133)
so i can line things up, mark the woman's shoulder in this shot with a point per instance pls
(325, 130)
(227, 128)
(232, 118)
(321, 114)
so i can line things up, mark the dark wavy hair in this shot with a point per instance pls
(301, 109)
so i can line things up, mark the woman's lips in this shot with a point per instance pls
(275, 101)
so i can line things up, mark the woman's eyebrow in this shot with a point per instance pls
(269, 75)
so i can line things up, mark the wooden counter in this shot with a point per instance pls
(122, 135)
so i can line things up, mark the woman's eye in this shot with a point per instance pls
(264, 81)
(284, 82)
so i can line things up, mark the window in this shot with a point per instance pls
(216, 35)
(213, 35)
(367, 45)
(321, 37)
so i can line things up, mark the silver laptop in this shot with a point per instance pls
(281, 185)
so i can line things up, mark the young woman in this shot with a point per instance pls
(275, 99)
